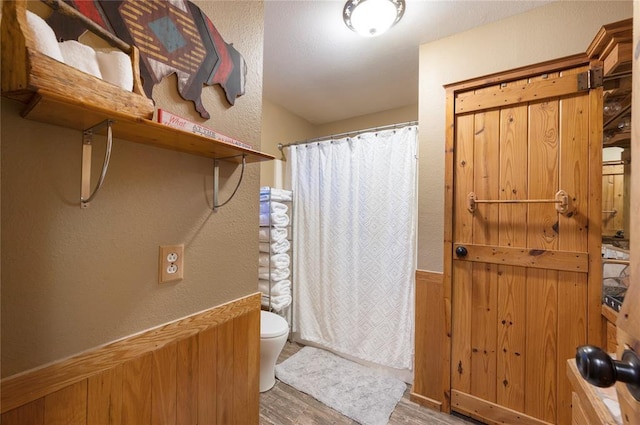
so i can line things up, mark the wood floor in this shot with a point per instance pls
(284, 405)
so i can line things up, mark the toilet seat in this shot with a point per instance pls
(272, 325)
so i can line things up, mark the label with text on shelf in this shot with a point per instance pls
(169, 119)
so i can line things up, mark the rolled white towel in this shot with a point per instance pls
(274, 207)
(81, 57)
(273, 274)
(115, 67)
(44, 38)
(277, 303)
(274, 219)
(272, 234)
(276, 247)
(278, 261)
(277, 289)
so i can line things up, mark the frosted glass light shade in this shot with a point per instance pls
(370, 18)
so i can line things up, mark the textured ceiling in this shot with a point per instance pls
(317, 68)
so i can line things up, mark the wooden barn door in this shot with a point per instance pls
(522, 204)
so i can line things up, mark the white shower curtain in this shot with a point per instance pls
(354, 244)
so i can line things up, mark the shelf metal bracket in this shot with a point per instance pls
(86, 195)
(216, 179)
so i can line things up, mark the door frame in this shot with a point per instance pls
(595, 323)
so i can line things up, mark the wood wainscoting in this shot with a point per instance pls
(431, 366)
(201, 369)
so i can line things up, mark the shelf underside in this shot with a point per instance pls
(51, 109)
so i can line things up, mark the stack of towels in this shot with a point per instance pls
(274, 260)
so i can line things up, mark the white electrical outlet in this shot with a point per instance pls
(171, 263)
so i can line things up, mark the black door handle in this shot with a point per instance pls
(599, 369)
(461, 251)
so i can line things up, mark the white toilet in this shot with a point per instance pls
(273, 335)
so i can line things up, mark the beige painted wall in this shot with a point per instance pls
(279, 126)
(73, 279)
(547, 32)
(389, 117)
(282, 126)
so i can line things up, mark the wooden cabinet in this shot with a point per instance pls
(589, 403)
(610, 316)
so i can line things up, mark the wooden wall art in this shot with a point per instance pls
(172, 36)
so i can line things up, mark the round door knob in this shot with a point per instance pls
(461, 251)
(599, 369)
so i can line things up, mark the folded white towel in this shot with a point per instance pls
(81, 57)
(276, 247)
(278, 261)
(277, 289)
(277, 303)
(270, 193)
(44, 38)
(115, 67)
(274, 219)
(273, 274)
(274, 207)
(272, 234)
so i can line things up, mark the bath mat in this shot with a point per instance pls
(356, 391)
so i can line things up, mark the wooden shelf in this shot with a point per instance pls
(53, 109)
(59, 94)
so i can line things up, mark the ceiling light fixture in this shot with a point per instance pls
(370, 18)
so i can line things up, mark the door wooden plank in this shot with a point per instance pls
(536, 258)
(513, 176)
(207, 382)
(512, 301)
(104, 397)
(485, 231)
(484, 331)
(572, 333)
(461, 326)
(464, 172)
(543, 174)
(572, 236)
(486, 176)
(541, 351)
(461, 272)
(163, 385)
(67, 406)
(510, 374)
(187, 381)
(136, 390)
(574, 170)
(224, 368)
(511, 95)
(618, 202)
(31, 413)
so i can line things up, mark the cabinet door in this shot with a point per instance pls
(520, 269)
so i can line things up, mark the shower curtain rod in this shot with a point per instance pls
(334, 136)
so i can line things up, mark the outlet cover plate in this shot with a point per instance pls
(171, 263)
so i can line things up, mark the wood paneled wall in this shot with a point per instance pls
(203, 369)
(431, 370)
